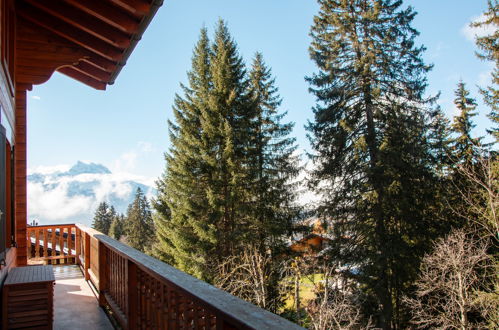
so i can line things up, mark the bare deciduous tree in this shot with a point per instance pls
(447, 291)
(251, 276)
(481, 196)
(335, 307)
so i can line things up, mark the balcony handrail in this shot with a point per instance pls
(144, 291)
(60, 239)
(64, 225)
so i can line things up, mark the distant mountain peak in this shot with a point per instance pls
(87, 168)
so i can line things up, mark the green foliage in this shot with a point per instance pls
(138, 224)
(117, 229)
(376, 142)
(226, 183)
(489, 46)
(464, 148)
(103, 217)
(272, 163)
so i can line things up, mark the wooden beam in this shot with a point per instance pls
(40, 52)
(101, 63)
(92, 71)
(108, 13)
(70, 33)
(137, 7)
(83, 21)
(82, 77)
(39, 44)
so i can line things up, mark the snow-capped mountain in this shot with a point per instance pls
(72, 195)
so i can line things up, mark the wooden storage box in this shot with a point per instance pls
(28, 298)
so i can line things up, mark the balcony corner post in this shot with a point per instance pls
(77, 245)
(86, 266)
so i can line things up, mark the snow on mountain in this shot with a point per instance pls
(72, 195)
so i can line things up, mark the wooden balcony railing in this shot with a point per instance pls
(52, 244)
(143, 292)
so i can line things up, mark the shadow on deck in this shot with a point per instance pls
(75, 305)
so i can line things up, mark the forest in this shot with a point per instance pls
(407, 221)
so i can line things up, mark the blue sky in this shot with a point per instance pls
(124, 128)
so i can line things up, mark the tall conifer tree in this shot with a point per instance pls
(202, 197)
(371, 137)
(465, 148)
(181, 190)
(489, 46)
(273, 165)
(138, 224)
(103, 218)
(117, 227)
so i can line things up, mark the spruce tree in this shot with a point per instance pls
(103, 218)
(372, 138)
(465, 148)
(273, 165)
(117, 227)
(489, 46)
(226, 185)
(201, 194)
(181, 197)
(139, 226)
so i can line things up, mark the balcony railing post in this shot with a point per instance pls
(87, 256)
(132, 296)
(103, 272)
(77, 245)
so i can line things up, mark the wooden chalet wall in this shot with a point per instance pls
(20, 187)
(7, 118)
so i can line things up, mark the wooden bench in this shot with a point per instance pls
(28, 298)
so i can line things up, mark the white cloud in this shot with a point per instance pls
(127, 162)
(471, 33)
(55, 205)
(65, 198)
(36, 97)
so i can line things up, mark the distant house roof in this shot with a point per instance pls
(89, 40)
(310, 244)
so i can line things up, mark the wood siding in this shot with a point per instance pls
(20, 178)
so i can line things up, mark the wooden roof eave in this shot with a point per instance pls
(136, 38)
(93, 58)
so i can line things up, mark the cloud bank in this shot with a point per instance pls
(64, 194)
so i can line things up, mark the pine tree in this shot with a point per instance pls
(489, 45)
(465, 148)
(181, 190)
(228, 152)
(201, 195)
(103, 218)
(273, 165)
(372, 139)
(139, 226)
(117, 227)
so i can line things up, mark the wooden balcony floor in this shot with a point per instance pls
(75, 305)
